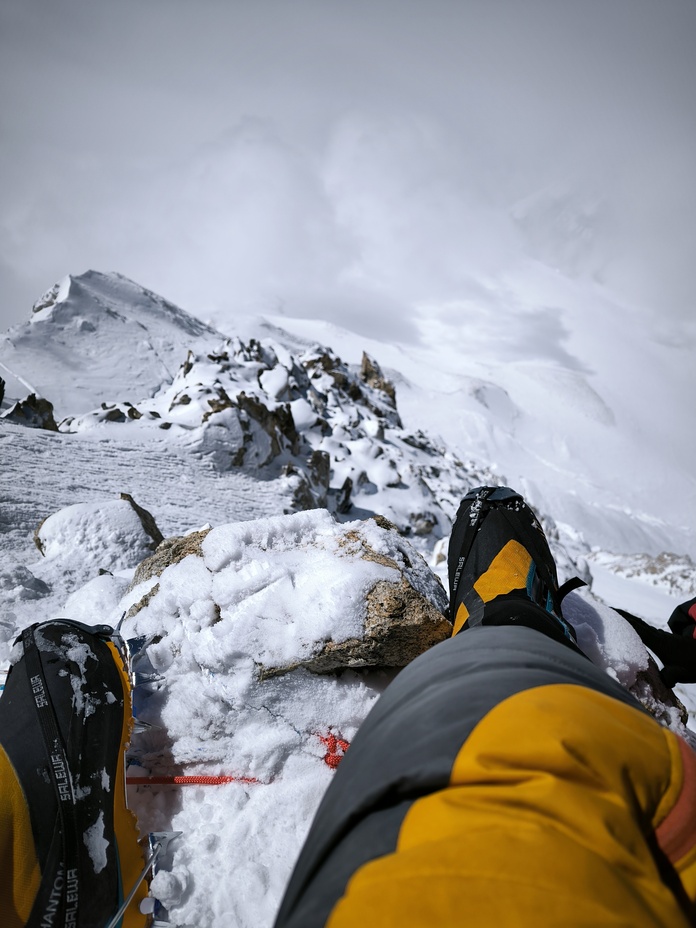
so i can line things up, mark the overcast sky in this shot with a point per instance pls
(345, 160)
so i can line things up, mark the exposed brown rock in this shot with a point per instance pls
(37, 536)
(343, 500)
(147, 520)
(181, 399)
(143, 601)
(400, 623)
(371, 374)
(302, 496)
(311, 485)
(187, 366)
(320, 468)
(656, 696)
(218, 403)
(34, 411)
(384, 522)
(169, 551)
(276, 423)
(384, 405)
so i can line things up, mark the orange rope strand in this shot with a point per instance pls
(335, 750)
(187, 781)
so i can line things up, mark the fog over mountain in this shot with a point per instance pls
(473, 189)
(346, 162)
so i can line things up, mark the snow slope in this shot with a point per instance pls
(564, 390)
(88, 333)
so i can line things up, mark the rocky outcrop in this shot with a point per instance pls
(47, 299)
(609, 641)
(400, 624)
(276, 423)
(169, 551)
(371, 374)
(400, 621)
(401, 608)
(35, 412)
(147, 520)
(660, 701)
(330, 430)
(88, 539)
(675, 573)
(310, 485)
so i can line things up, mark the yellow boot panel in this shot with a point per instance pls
(20, 875)
(508, 571)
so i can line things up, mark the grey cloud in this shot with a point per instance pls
(249, 152)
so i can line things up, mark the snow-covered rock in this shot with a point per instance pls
(88, 537)
(97, 602)
(332, 432)
(227, 610)
(33, 411)
(295, 591)
(611, 643)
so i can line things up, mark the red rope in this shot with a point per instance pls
(187, 781)
(332, 758)
(336, 749)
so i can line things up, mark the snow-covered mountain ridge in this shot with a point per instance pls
(330, 432)
(89, 332)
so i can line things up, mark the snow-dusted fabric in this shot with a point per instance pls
(503, 780)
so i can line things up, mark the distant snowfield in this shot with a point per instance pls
(581, 420)
(566, 392)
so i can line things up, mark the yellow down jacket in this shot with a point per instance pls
(503, 780)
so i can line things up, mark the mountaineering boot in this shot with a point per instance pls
(501, 571)
(676, 648)
(69, 851)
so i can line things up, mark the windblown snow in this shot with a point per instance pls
(263, 461)
(97, 843)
